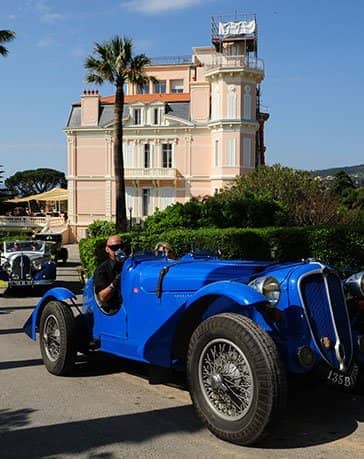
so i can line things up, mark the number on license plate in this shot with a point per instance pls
(344, 380)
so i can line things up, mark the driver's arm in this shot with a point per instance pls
(104, 288)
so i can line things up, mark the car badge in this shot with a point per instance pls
(326, 342)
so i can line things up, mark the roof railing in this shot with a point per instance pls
(171, 60)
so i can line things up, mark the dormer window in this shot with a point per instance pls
(155, 116)
(137, 116)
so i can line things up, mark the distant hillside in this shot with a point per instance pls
(356, 173)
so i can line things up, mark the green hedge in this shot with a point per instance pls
(339, 246)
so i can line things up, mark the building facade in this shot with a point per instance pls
(187, 135)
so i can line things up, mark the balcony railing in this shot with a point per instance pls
(223, 61)
(9, 222)
(151, 173)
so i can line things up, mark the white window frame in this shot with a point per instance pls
(146, 201)
(231, 108)
(247, 115)
(162, 84)
(167, 196)
(247, 152)
(147, 157)
(216, 153)
(156, 116)
(231, 152)
(129, 156)
(169, 152)
(177, 86)
(137, 120)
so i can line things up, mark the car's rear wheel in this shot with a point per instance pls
(236, 380)
(58, 340)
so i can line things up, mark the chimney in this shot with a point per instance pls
(90, 108)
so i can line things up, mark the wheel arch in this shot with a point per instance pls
(59, 294)
(217, 298)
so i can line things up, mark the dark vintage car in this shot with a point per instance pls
(26, 264)
(237, 328)
(60, 253)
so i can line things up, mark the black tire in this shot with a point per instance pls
(57, 336)
(236, 380)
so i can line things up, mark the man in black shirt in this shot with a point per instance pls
(107, 276)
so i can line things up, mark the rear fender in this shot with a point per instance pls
(59, 294)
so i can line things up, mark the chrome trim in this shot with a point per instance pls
(321, 271)
(338, 345)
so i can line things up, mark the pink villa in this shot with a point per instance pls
(188, 135)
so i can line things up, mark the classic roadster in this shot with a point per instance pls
(236, 327)
(26, 264)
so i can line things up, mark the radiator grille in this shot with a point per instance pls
(21, 266)
(326, 311)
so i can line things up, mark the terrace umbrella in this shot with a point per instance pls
(55, 194)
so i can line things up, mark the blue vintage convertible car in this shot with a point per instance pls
(236, 327)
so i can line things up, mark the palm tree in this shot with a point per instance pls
(5, 36)
(113, 61)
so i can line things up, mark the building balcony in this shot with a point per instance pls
(29, 222)
(224, 62)
(153, 173)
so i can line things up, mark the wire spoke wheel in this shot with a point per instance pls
(52, 338)
(58, 338)
(226, 379)
(236, 380)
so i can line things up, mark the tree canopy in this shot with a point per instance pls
(5, 36)
(35, 181)
(269, 196)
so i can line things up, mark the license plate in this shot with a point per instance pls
(346, 380)
(21, 283)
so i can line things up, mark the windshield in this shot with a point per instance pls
(24, 246)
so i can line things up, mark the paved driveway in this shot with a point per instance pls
(108, 409)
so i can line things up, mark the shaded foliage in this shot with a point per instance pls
(102, 228)
(305, 199)
(5, 37)
(35, 181)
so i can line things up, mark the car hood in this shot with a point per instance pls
(192, 275)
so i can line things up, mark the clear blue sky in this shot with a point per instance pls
(312, 50)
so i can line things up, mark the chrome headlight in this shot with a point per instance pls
(269, 287)
(37, 264)
(355, 284)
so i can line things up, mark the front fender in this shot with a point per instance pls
(216, 298)
(57, 293)
(238, 292)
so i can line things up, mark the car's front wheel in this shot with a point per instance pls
(58, 340)
(236, 380)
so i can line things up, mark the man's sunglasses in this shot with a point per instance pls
(115, 247)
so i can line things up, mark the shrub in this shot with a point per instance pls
(102, 228)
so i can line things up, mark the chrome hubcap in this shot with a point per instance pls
(226, 379)
(52, 338)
